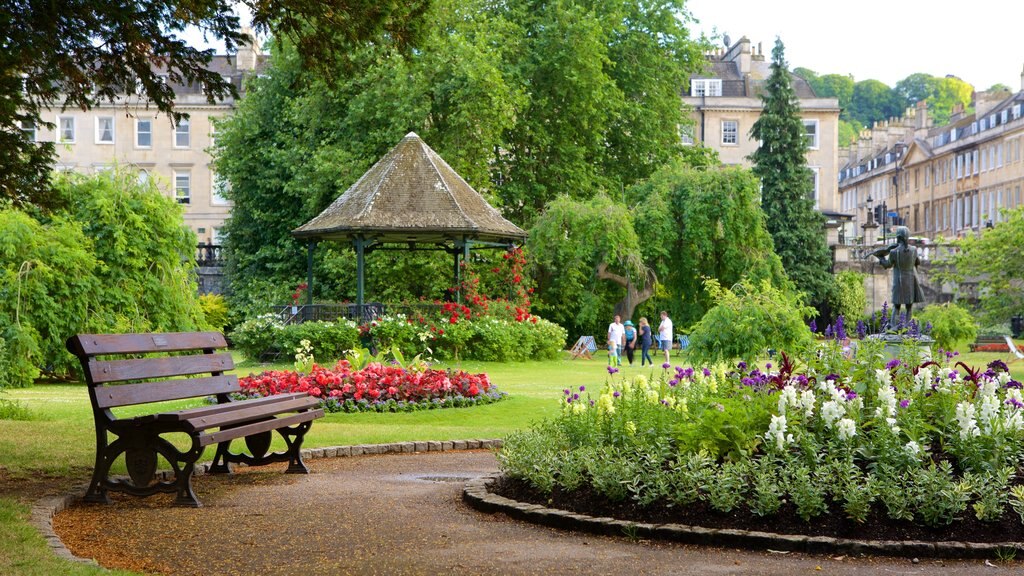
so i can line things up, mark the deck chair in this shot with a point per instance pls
(1013, 348)
(584, 348)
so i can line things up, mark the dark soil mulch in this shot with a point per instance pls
(834, 524)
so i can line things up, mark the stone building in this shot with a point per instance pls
(725, 101)
(130, 132)
(940, 181)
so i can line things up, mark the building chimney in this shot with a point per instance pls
(1022, 79)
(921, 116)
(248, 52)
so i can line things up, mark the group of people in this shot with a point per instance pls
(624, 337)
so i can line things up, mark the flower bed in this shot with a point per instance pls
(830, 441)
(377, 387)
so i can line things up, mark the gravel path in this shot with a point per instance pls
(396, 515)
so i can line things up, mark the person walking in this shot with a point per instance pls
(616, 337)
(630, 340)
(665, 334)
(645, 342)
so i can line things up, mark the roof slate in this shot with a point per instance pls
(411, 195)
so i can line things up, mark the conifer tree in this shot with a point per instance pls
(788, 186)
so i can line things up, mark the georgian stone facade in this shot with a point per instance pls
(940, 181)
(130, 132)
(725, 102)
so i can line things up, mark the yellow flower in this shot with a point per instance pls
(630, 428)
(606, 404)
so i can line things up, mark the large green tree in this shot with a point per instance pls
(77, 54)
(941, 94)
(787, 186)
(873, 101)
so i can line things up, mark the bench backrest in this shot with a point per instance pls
(106, 377)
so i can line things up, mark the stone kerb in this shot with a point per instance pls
(477, 495)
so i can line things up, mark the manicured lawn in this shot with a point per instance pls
(58, 441)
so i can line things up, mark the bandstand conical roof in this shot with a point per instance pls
(411, 195)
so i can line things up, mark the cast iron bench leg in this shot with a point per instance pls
(293, 437)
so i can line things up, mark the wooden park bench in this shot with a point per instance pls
(131, 378)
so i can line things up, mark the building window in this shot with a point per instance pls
(143, 177)
(217, 236)
(182, 134)
(815, 180)
(28, 128)
(183, 187)
(706, 87)
(974, 161)
(811, 133)
(730, 132)
(218, 195)
(686, 135)
(143, 133)
(999, 156)
(66, 129)
(105, 130)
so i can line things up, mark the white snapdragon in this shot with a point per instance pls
(965, 418)
(989, 413)
(788, 397)
(883, 376)
(886, 402)
(831, 412)
(913, 449)
(923, 378)
(777, 432)
(847, 429)
(807, 402)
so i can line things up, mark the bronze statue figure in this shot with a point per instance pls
(903, 259)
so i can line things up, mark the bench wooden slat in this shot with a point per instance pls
(257, 427)
(99, 344)
(267, 409)
(142, 368)
(201, 411)
(146, 392)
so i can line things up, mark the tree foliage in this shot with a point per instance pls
(118, 260)
(79, 54)
(683, 225)
(787, 186)
(874, 101)
(953, 327)
(988, 260)
(526, 101)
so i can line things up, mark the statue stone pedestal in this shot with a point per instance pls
(895, 343)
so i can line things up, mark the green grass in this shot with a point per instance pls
(57, 442)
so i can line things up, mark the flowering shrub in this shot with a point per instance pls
(910, 439)
(487, 338)
(377, 387)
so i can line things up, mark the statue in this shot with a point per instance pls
(903, 259)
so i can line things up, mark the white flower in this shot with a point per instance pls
(807, 401)
(923, 378)
(831, 411)
(777, 431)
(788, 397)
(989, 412)
(965, 417)
(892, 425)
(913, 449)
(886, 402)
(883, 376)
(847, 429)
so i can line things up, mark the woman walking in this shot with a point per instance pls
(631, 340)
(645, 342)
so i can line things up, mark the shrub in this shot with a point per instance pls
(215, 311)
(748, 320)
(851, 299)
(952, 326)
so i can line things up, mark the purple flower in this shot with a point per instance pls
(666, 365)
(953, 375)
(851, 395)
(742, 365)
(612, 370)
(892, 364)
(575, 396)
(828, 332)
(1014, 402)
(840, 330)
(862, 329)
(616, 394)
(707, 372)
(583, 388)
(591, 402)
(904, 403)
(567, 391)
(768, 366)
(568, 400)
(999, 366)
(1013, 384)
(673, 382)
(813, 325)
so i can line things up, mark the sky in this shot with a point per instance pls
(981, 41)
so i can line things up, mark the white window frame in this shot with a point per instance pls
(686, 134)
(705, 87)
(179, 197)
(735, 132)
(815, 139)
(99, 130)
(60, 129)
(149, 132)
(218, 184)
(816, 171)
(185, 123)
(29, 127)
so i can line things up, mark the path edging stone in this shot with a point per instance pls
(44, 509)
(477, 495)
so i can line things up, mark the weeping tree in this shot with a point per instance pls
(586, 255)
